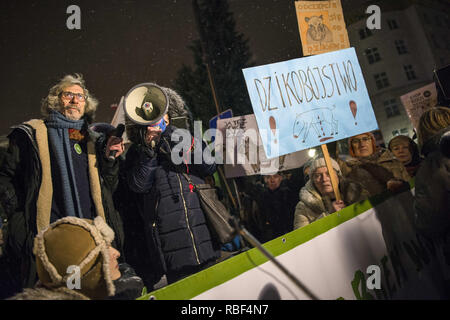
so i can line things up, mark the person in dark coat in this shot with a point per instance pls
(175, 225)
(54, 167)
(407, 151)
(432, 185)
(276, 201)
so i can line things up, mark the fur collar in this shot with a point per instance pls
(42, 293)
(381, 155)
(44, 201)
(312, 198)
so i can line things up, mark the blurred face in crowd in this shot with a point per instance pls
(402, 152)
(362, 145)
(166, 119)
(322, 181)
(73, 101)
(273, 182)
(154, 132)
(113, 264)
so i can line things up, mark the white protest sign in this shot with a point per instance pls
(242, 152)
(418, 101)
(305, 102)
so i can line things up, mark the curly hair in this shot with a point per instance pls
(52, 101)
(431, 122)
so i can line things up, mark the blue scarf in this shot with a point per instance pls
(58, 136)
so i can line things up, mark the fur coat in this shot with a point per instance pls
(42, 293)
(374, 171)
(313, 205)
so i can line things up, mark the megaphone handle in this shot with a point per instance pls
(117, 133)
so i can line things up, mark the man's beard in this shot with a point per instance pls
(70, 114)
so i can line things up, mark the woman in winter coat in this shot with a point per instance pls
(407, 151)
(375, 168)
(432, 193)
(432, 185)
(177, 233)
(317, 198)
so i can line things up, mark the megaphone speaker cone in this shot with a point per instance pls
(146, 103)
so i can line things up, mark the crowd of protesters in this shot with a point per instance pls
(134, 220)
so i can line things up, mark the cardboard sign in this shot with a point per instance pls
(418, 101)
(322, 26)
(302, 103)
(242, 151)
(213, 122)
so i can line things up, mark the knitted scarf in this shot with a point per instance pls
(58, 136)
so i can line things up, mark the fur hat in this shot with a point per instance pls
(320, 162)
(72, 241)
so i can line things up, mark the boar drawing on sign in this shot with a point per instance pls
(321, 119)
(317, 30)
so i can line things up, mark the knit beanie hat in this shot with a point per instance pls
(320, 162)
(350, 146)
(72, 241)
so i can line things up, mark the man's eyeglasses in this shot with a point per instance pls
(67, 95)
(357, 141)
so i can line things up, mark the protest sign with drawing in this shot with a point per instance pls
(322, 26)
(239, 145)
(213, 121)
(418, 101)
(306, 102)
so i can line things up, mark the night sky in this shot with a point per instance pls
(120, 44)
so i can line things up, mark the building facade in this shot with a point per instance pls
(400, 57)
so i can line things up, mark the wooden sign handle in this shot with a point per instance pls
(333, 175)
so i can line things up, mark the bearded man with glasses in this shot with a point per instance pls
(376, 168)
(54, 167)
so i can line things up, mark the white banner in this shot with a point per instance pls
(375, 254)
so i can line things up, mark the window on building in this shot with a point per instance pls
(372, 55)
(381, 80)
(403, 131)
(401, 47)
(438, 21)
(391, 108)
(392, 24)
(409, 71)
(425, 18)
(364, 33)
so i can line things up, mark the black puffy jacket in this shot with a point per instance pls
(175, 224)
